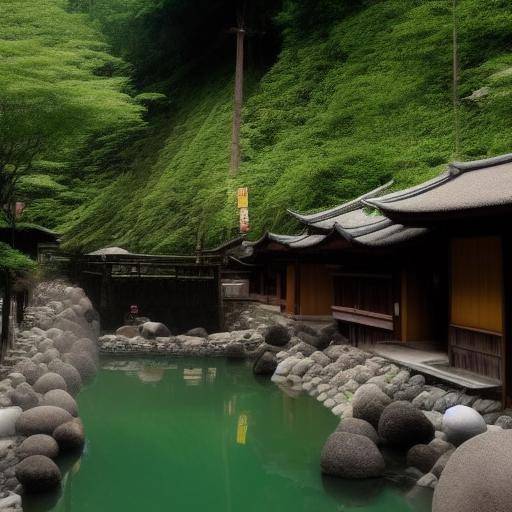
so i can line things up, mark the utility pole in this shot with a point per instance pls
(239, 92)
(455, 84)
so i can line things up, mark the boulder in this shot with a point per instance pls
(277, 335)
(64, 342)
(16, 379)
(69, 373)
(152, 330)
(54, 333)
(62, 399)
(30, 370)
(358, 426)
(441, 462)
(197, 332)
(85, 345)
(128, 331)
(422, 457)
(49, 381)
(477, 477)
(70, 435)
(43, 419)
(83, 363)
(38, 444)
(320, 358)
(369, 402)
(304, 348)
(302, 367)
(266, 364)
(348, 455)
(402, 425)
(24, 396)
(304, 328)
(505, 422)
(38, 473)
(8, 418)
(285, 366)
(461, 423)
(235, 350)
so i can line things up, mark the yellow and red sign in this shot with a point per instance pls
(243, 207)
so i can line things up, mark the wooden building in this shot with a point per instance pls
(469, 208)
(424, 266)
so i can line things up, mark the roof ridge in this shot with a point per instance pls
(349, 206)
(456, 168)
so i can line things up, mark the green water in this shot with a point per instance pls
(205, 435)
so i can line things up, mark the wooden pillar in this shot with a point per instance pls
(6, 311)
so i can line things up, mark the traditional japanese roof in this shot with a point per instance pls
(349, 215)
(385, 236)
(469, 189)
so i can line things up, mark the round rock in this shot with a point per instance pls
(277, 335)
(461, 423)
(48, 382)
(70, 435)
(69, 373)
(477, 476)
(38, 473)
(402, 425)
(24, 396)
(358, 426)
(349, 455)
(8, 418)
(62, 399)
(422, 457)
(265, 364)
(368, 403)
(83, 363)
(43, 419)
(39, 444)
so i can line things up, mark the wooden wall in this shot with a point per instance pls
(316, 294)
(476, 285)
(476, 311)
(290, 288)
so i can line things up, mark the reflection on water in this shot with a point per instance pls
(198, 435)
(149, 375)
(241, 429)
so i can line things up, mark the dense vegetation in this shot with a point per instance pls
(341, 96)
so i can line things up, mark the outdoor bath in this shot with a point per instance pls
(206, 434)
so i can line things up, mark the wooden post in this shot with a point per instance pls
(239, 95)
(6, 311)
(455, 85)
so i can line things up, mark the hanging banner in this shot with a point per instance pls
(243, 207)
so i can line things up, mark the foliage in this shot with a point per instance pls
(14, 261)
(58, 86)
(360, 92)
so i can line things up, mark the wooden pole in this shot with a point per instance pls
(239, 97)
(455, 85)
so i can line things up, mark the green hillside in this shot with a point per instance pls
(341, 97)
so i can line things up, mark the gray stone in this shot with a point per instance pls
(369, 402)
(427, 398)
(38, 473)
(320, 358)
(152, 330)
(303, 348)
(441, 462)
(436, 418)
(408, 394)
(235, 350)
(30, 370)
(402, 425)
(484, 406)
(461, 423)
(285, 366)
(64, 342)
(277, 335)
(41, 420)
(16, 378)
(198, 332)
(352, 456)
(429, 480)
(70, 375)
(265, 364)
(8, 418)
(422, 457)
(62, 399)
(70, 435)
(38, 444)
(83, 363)
(302, 367)
(505, 422)
(447, 401)
(477, 477)
(24, 396)
(441, 446)
(358, 426)
(48, 382)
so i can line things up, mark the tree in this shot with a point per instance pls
(58, 87)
